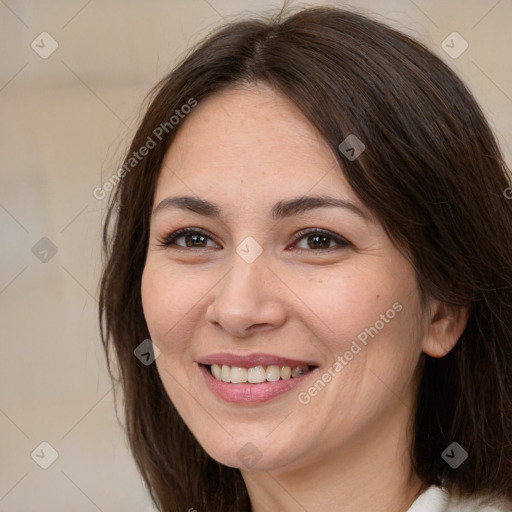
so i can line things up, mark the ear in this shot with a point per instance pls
(446, 325)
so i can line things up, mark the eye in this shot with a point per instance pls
(193, 238)
(319, 240)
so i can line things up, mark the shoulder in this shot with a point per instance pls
(436, 499)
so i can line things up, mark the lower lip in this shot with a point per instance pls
(250, 393)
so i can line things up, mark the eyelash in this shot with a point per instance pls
(168, 242)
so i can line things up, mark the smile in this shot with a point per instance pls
(256, 374)
(255, 378)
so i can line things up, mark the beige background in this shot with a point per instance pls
(65, 122)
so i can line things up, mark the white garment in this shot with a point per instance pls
(435, 499)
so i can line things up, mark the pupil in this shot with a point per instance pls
(320, 241)
(195, 238)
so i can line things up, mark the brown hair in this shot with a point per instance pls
(432, 173)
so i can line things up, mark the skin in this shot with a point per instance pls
(245, 149)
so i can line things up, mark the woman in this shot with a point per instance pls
(312, 229)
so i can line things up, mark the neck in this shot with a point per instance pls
(370, 473)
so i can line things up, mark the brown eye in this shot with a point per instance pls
(193, 238)
(320, 241)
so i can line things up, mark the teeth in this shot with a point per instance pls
(226, 373)
(238, 374)
(297, 371)
(256, 374)
(217, 371)
(273, 373)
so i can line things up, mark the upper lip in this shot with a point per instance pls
(251, 360)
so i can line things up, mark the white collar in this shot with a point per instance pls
(437, 499)
(434, 499)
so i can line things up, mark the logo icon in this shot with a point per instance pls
(44, 455)
(44, 45)
(454, 45)
(249, 455)
(454, 455)
(146, 352)
(44, 250)
(249, 249)
(352, 147)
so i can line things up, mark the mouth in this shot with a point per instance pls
(256, 374)
(253, 379)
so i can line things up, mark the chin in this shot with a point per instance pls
(249, 453)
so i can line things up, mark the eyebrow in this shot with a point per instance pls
(280, 210)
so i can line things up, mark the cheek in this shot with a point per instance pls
(370, 318)
(342, 302)
(154, 295)
(393, 348)
(166, 302)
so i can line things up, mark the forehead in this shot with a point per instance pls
(245, 140)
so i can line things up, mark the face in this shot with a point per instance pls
(268, 283)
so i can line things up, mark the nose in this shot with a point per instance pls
(247, 300)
